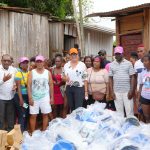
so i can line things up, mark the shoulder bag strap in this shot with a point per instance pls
(23, 79)
(90, 79)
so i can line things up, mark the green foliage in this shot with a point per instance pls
(87, 6)
(4, 5)
(59, 8)
(114, 43)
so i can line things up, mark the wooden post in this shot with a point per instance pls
(81, 28)
(146, 29)
(77, 21)
(117, 32)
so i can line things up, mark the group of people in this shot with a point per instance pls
(38, 86)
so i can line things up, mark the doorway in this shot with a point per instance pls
(69, 42)
(130, 43)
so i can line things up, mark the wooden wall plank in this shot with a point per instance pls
(98, 40)
(56, 37)
(4, 47)
(117, 32)
(146, 28)
(131, 22)
(23, 34)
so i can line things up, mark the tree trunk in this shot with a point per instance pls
(77, 21)
(81, 28)
(79, 24)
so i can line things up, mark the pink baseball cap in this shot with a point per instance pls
(39, 57)
(22, 59)
(118, 49)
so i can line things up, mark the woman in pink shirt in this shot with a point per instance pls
(97, 82)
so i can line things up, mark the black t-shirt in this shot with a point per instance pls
(105, 62)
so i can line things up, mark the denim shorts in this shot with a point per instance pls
(144, 101)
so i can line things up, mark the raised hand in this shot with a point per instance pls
(7, 77)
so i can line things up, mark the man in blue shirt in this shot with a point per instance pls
(102, 55)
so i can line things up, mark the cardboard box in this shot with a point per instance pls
(3, 139)
(11, 140)
(15, 136)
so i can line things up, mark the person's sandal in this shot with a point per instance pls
(30, 133)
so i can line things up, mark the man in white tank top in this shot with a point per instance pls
(40, 92)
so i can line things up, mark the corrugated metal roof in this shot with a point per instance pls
(94, 27)
(121, 12)
(88, 26)
(23, 10)
(100, 29)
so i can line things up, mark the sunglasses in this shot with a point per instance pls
(101, 54)
(139, 51)
(73, 54)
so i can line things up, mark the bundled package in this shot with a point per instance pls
(94, 128)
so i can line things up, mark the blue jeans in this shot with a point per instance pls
(21, 113)
(75, 97)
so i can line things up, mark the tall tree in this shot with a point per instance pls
(80, 8)
(59, 8)
(77, 22)
(81, 27)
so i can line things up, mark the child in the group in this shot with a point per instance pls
(144, 92)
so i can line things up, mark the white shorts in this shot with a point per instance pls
(43, 105)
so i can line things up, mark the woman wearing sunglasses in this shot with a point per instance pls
(76, 80)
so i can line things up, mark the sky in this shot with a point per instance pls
(109, 5)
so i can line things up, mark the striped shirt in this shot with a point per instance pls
(121, 73)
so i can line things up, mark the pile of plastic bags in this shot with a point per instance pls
(94, 128)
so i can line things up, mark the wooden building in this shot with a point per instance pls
(63, 36)
(132, 26)
(23, 32)
(27, 33)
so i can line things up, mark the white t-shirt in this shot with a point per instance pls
(76, 75)
(144, 77)
(40, 85)
(6, 88)
(138, 66)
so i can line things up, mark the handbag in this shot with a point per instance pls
(96, 95)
